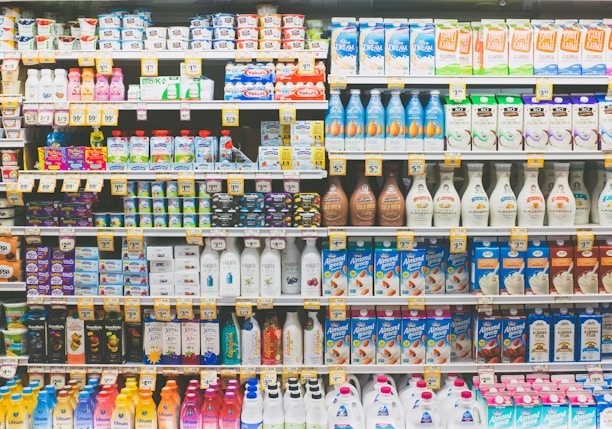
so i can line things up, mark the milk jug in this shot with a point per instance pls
(209, 271)
(502, 201)
(605, 201)
(229, 269)
(346, 412)
(530, 201)
(475, 202)
(466, 415)
(425, 414)
(596, 191)
(581, 193)
(419, 204)
(385, 411)
(561, 205)
(270, 271)
(249, 272)
(375, 123)
(447, 205)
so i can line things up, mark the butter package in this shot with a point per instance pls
(461, 333)
(545, 53)
(484, 122)
(337, 341)
(386, 268)
(437, 336)
(335, 280)
(458, 124)
(447, 53)
(466, 51)
(512, 265)
(360, 267)
(520, 47)
(560, 136)
(397, 47)
(593, 47)
(414, 323)
(494, 47)
(388, 336)
(569, 47)
(509, 122)
(363, 335)
(535, 123)
(371, 46)
(344, 45)
(422, 47)
(435, 272)
(585, 122)
(413, 267)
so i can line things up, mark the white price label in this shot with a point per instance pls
(93, 117)
(30, 117)
(184, 308)
(131, 310)
(104, 66)
(25, 183)
(119, 186)
(291, 182)
(161, 307)
(94, 183)
(457, 90)
(214, 185)
(373, 166)
(458, 240)
(263, 184)
(71, 184)
(61, 118)
(47, 184)
(218, 243)
(186, 185)
(45, 117)
(67, 240)
(337, 166)
(141, 112)
(416, 165)
(109, 116)
(208, 377)
(148, 378)
(185, 112)
(306, 63)
(149, 67)
(287, 113)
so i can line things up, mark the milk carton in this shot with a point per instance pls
(593, 47)
(569, 47)
(435, 273)
(535, 123)
(536, 268)
(414, 323)
(371, 46)
(586, 271)
(461, 333)
(360, 267)
(605, 121)
(335, 280)
(527, 410)
(494, 47)
(485, 265)
(608, 45)
(605, 266)
(413, 267)
(447, 56)
(457, 272)
(337, 341)
(560, 134)
(604, 409)
(458, 124)
(509, 122)
(606, 329)
(545, 36)
(512, 265)
(561, 260)
(437, 335)
(564, 335)
(487, 341)
(585, 122)
(520, 47)
(514, 336)
(555, 409)
(386, 268)
(539, 325)
(589, 336)
(210, 342)
(363, 335)
(344, 45)
(583, 409)
(476, 47)
(422, 47)
(499, 411)
(388, 336)
(484, 122)
(397, 47)
(466, 52)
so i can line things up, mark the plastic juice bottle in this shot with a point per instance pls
(35, 385)
(43, 413)
(177, 396)
(88, 86)
(50, 389)
(74, 84)
(354, 128)
(236, 391)
(12, 385)
(251, 416)
(45, 86)
(190, 413)
(167, 414)
(128, 394)
(229, 416)
(60, 86)
(375, 123)
(5, 396)
(415, 117)
(122, 414)
(91, 391)
(334, 122)
(103, 411)
(117, 88)
(102, 91)
(145, 416)
(395, 118)
(63, 413)
(195, 391)
(434, 123)
(28, 401)
(209, 414)
(83, 413)
(16, 415)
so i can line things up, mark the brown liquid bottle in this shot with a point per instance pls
(334, 204)
(391, 201)
(363, 201)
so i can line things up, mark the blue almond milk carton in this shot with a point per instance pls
(388, 335)
(414, 323)
(344, 46)
(564, 335)
(437, 335)
(461, 333)
(360, 267)
(435, 270)
(337, 341)
(386, 268)
(604, 408)
(413, 269)
(457, 272)
(363, 335)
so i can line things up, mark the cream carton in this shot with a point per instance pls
(335, 280)
(360, 267)
(545, 55)
(435, 272)
(555, 409)
(539, 325)
(457, 272)
(476, 47)
(414, 323)
(437, 335)
(344, 44)
(593, 47)
(458, 124)
(560, 135)
(413, 267)
(363, 335)
(605, 121)
(337, 341)
(585, 122)
(536, 268)
(500, 411)
(509, 122)
(484, 267)
(589, 336)
(520, 47)
(512, 265)
(447, 54)
(494, 47)
(564, 335)
(535, 123)
(569, 46)
(397, 47)
(484, 122)
(461, 333)
(388, 335)
(583, 409)
(527, 410)
(466, 50)
(386, 268)
(371, 46)
(422, 47)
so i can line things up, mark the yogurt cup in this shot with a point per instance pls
(201, 45)
(26, 43)
(12, 123)
(270, 20)
(201, 33)
(132, 34)
(270, 33)
(294, 33)
(65, 43)
(45, 43)
(15, 134)
(10, 112)
(26, 27)
(132, 45)
(116, 219)
(317, 45)
(180, 33)
(314, 34)
(293, 20)
(109, 20)
(16, 341)
(109, 45)
(101, 220)
(177, 45)
(293, 45)
(155, 45)
(156, 33)
(266, 9)
(15, 312)
(60, 29)
(133, 21)
(88, 26)
(269, 45)
(6, 34)
(9, 22)
(246, 20)
(109, 33)
(199, 21)
(247, 33)
(227, 33)
(88, 43)
(10, 157)
(144, 11)
(45, 27)
(224, 45)
(223, 20)
(75, 29)
(10, 173)
(246, 44)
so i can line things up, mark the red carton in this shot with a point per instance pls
(561, 266)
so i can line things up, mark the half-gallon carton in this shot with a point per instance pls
(458, 124)
(509, 122)
(484, 122)
(520, 47)
(512, 265)
(545, 36)
(485, 267)
(388, 335)
(535, 123)
(422, 47)
(585, 122)
(589, 336)
(363, 335)
(583, 409)
(344, 45)
(458, 272)
(437, 335)
(605, 266)
(593, 47)
(514, 336)
(564, 335)
(494, 47)
(561, 263)
(386, 268)
(539, 324)
(536, 268)
(606, 329)
(414, 323)
(447, 53)
(360, 267)
(476, 47)
(569, 47)
(435, 272)
(413, 268)
(527, 410)
(397, 47)
(560, 134)
(586, 271)
(334, 264)
(605, 121)
(461, 333)
(466, 49)
(371, 46)
(555, 409)
(499, 411)
(337, 341)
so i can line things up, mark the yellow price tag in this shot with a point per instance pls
(193, 67)
(246, 373)
(313, 304)
(112, 305)
(265, 303)
(106, 241)
(149, 67)
(484, 303)
(289, 372)
(244, 307)
(194, 236)
(452, 159)
(373, 166)
(47, 184)
(287, 113)
(46, 57)
(29, 58)
(608, 160)
(135, 240)
(161, 307)
(416, 303)
(337, 240)
(396, 82)
(104, 66)
(186, 184)
(457, 90)
(119, 186)
(184, 308)
(71, 183)
(338, 82)
(416, 165)
(230, 116)
(93, 116)
(208, 308)
(207, 378)
(306, 63)
(432, 376)
(78, 115)
(235, 185)
(32, 235)
(458, 240)
(94, 183)
(267, 376)
(109, 116)
(87, 59)
(337, 166)
(131, 309)
(148, 378)
(85, 308)
(25, 183)
(405, 240)
(337, 375)
(543, 90)
(584, 240)
(609, 90)
(518, 239)
(337, 309)
(535, 160)
(14, 197)
(308, 373)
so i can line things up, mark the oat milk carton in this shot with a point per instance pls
(438, 335)
(413, 268)
(435, 272)
(536, 115)
(458, 272)
(487, 337)
(458, 124)
(397, 47)
(608, 45)
(605, 121)
(447, 56)
(388, 336)
(371, 46)
(485, 267)
(545, 54)
(337, 341)
(494, 47)
(593, 47)
(476, 47)
(569, 46)
(484, 122)
(363, 335)
(386, 268)
(461, 333)
(466, 52)
(536, 268)
(344, 43)
(585, 122)
(422, 47)
(589, 336)
(520, 47)
(564, 335)
(414, 323)
(560, 135)
(539, 323)
(360, 267)
(514, 336)
(509, 122)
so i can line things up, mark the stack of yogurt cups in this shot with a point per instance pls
(224, 32)
(122, 30)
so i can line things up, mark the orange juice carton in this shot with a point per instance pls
(514, 336)
(476, 47)
(485, 267)
(466, 52)
(344, 45)
(360, 267)
(520, 47)
(386, 268)
(461, 333)
(414, 323)
(388, 335)
(536, 116)
(560, 136)
(585, 122)
(564, 335)
(334, 271)
(509, 122)
(447, 54)
(435, 269)
(484, 122)
(457, 272)
(545, 54)
(499, 410)
(488, 335)
(337, 341)
(363, 335)
(555, 409)
(458, 124)
(589, 335)
(539, 325)
(494, 47)
(593, 47)
(528, 410)
(586, 271)
(397, 47)
(437, 335)
(512, 265)
(569, 45)
(422, 47)
(371, 46)
(413, 267)
(583, 409)
(75, 338)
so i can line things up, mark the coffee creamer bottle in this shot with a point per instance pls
(561, 204)
(581, 193)
(502, 201)
(530, 201)
(419, 204)
(475, 202)
(447, 205)
(605, 201)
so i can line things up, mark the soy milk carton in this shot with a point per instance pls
(422, 47)
(484, 267)
(371, 46)
(509, 122)
(569, 47)
(337, 341)
(466, 49)
(484, 122)
(363, 335)
(494, 47)
(437, 336)
(388, 336)
(413, 268)
(593, 47)
(535, 123)
(360, 268)
(545, 36)
(585, 122)
(520, 47)
(605, 121)
(447, 53)
(344, 45)
(414, 323)
(560, 135)
(397, 47)
(386, 268)
(458, 124)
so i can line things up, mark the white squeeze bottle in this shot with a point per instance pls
(581, 193)
(291, 260)
(385, 411)
(273, 412)
(295, 414)
(466, 415)
(249, 272)
(60, 86)
(250, 341)
(292, 339)
(346, 412)
(229, 269)
(475, 202)
(561, 204)
(311, 269)
(45, 86)
(313, 340)
(596, 191)
(447, 204)
(251, 416)
(270, 277)
(502, 201)
(316, 414)
(530, 201)
(31, 86)
(419, 204)
(425, 414)
(209, 271)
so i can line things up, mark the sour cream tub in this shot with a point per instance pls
(12, 123)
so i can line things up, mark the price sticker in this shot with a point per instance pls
(291, 182)
(161, 307)
(208, 308)
(184, 308)
(306, 63)
(535, 160)
(106, 241)
(214, 185)
(185, 112)
(87, 59)
(416, 303)
(337, 240)
(458, 240)
(244, 307)
(277, 239)
(109, 116)
(104, 66)
(287, 113)
(14, 197)
(457, 90)
(10, 64)
(6, 231)
(46, 116)
(396, 82)
(78, 115)
(93, 116)
(405, 240)
(111, 305)
(337, 375)
(308, 373)
(265, 303)
(217, 240)
(230, 116)
(432, 376)
(119, 186)
(61, 117)
(518, 239)
(235, 185)
(149, 66)
(208, 377)
(595, 373)
(85, 308)
(252, 239)
(452, 159)
(186, 184)
(37, 301)
(148, 378)
(131, 310)
(246, 373)
(135, 240)
(243, 56)
(29, 58)
(416, 165)
(289, 372)
(71, 183)
(165, 176)
(563, 299)
(67, 239)
(141, 112)
(337, 166)
(337, 309)
(484, 303)
(193, 67)
(486, 375)
(313, 304)
(109, 377)
(540, 368)
(543, 89)
(338, 82)
(267, 376)
(25, 183)
(30, 117)
(57, 376)
(263, 183)
(36, 374)
(94, 183)
(584, 240)
(32, 235)
(8, 370)
(194, 236)
(47, 184)
(373, 166)
(608, 160)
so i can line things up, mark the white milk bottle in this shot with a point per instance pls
(249, 272)
(475, 202)
(385, 411)
(419, 204)
(251, 416)
(425, 414)
(412, 398)
(530, 201)
(292, 340)
(311, 269)
(229, 269)
(250, 341)
(596, 191)
(346, 412)
(372, 389)
(466, 415)
(295, 414)
(209, 271)
(316, 414)
(447, 205)
(270, 279)
(561, 205)
(31, 86)
(581, 193)
(605, 201)
(45, 86)
(273, 412)
(502, 201)
(547, 181)
(291, 260)
(313, 340)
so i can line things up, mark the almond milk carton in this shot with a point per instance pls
(371, 46)
(438, 335)
(520, 47)
(487, 342)
(363, 335)
(509, 122)
(360, 267)
(545, 55)
(494, 47)
(461, 333)
(585, 122)
(539, 325)
(337, 341)
(397, 47)
(413, 267)
(466, 52)
(388, 335)
(447, 54)
(593, 47)
(414, 323)
(386, 268)
(569, 46)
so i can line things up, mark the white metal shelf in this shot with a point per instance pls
(11, 143)
(477, 80)
(12, 287)
(489, 231)
(129, 105)
(173, 175)
(493, 156)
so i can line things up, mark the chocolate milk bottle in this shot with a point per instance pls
(391, 202)
(334, 204)
(363, 201)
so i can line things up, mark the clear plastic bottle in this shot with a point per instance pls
(250, 272)
(45, 86)
(31, 86)
(102, 90)
(273, 412)
(354, 127)
(475, 202)
(375, 123)
(561, 204)
(293, 341)
(251, 416)
(581, 193)
(503, 205)
(291, 273)
(74, 84)
(434, 123)
(117, 88)
(447, 205)
(229, 269)
(270, 271)
(415, 119)
(395, 119)
(419, 204)
(311, 269)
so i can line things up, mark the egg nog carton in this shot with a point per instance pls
(397, 47)
(447, 54)
(585, 122)
(388, 335)
(536, 116)
(422, 47)
(437, 335)
(545, 53)
(520, 47)
(344, 45)
(605, 121)
(466, 51)
(484, 122)
(458, 124)
(363, 335)
(509, 122)
(371, 46)
(414, 323)
(494, 47)
(594, 48)
(569, 47)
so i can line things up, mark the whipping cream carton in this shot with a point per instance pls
(360, 267)
(334, 271)
(512, 265)
(527, 410)
(435, 269)
(555, 409)
(484, 267)
(569, 46)
(484, 122)
(514, 336)
(337, 341)
(458, 124)
(545, 54)
(413, 267)
(539, 322)
(476, 47)
(371, 46)
(344, 44)
(509, 122)
(386, 268)
(560, 134)
(466, 51)
(447, 54)
(593, 47)
(585, 122)
(583, 409)
(363, 335)
(457, 272)
(535, 123)
(437, 335)
(397, 47)
(536, 268)
(388, 336)
(605, 121)
(589, 336)
(422, 47)
(520, 47)
(461, 333)
(494, 47)
(564, 335)
(414, 323)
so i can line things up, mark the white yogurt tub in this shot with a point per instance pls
(293, 20)
(228, 33)
(223, 20)
(201, 33)
(88, 26)
(177, 45)
(270, 20)
(88, 43)
(201, 44)
(246, 44)
(156, 33)
(12, 123)
(132, 45)
(109, 45)
(132, 34)
(133, 21)
(109, 20)
(109, 33)
(270, 33)
(269, 45)
(293, 45)
(181, 33)
(224, 45)
(266, 9)
(292, 33)
(155, 45)
(246, 20)
(244, 33)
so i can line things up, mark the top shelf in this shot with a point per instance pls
(476, 80)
